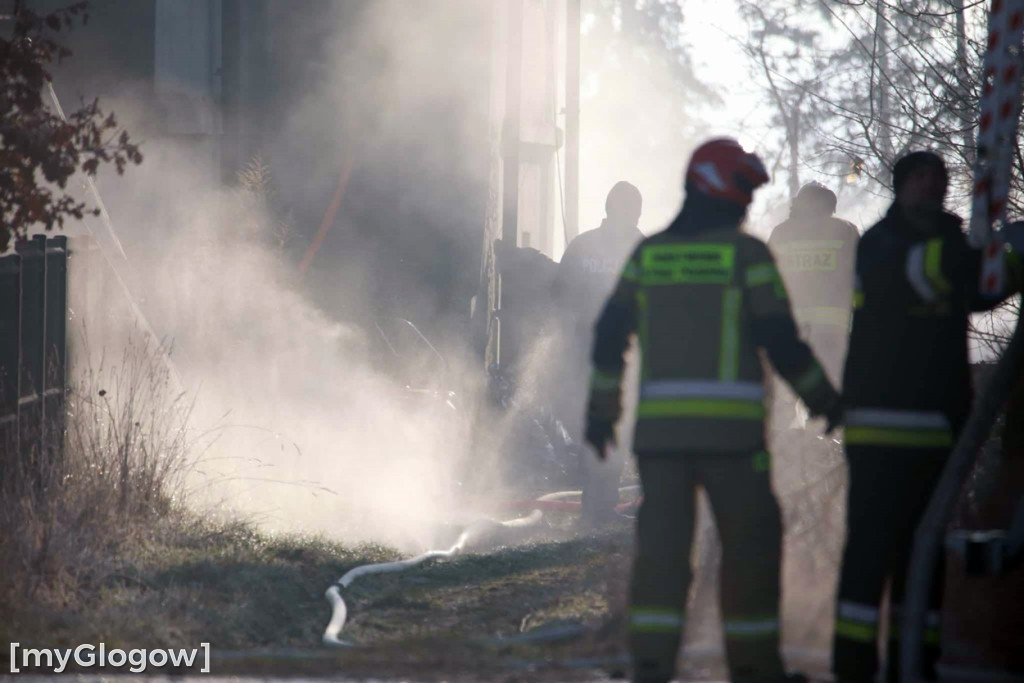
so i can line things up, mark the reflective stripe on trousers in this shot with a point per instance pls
(701, 398)
(932, 625)
(891, 427)
(856, 621)
(760, 627)
(655, 619)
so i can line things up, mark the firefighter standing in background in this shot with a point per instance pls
(815, 253)
(586, 276)
(704, 298)
(907, 385)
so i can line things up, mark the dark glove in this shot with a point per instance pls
(834, 415)
(600, 434)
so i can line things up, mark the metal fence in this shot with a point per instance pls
(33, 350)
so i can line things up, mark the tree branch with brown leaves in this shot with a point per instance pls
(39, 150)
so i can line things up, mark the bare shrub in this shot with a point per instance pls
(255, 195)
(126, 451)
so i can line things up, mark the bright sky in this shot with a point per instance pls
(607, 155)
(711, 31)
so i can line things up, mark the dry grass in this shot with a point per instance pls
(67, 513)
(99, 546)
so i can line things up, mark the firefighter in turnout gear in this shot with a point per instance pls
(907, 388)
(704, 299)
(815, 253)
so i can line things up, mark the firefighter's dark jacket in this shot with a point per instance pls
(908, 357)
(703, 298)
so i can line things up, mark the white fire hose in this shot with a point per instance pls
(339, 611)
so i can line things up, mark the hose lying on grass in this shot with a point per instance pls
(556, 502)
(339, 611)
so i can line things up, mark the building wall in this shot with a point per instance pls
(538, 212)
(309, 87)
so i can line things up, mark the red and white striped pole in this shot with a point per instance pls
(1000, 110)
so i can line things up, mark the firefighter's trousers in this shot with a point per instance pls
(749, 525)
(601, 485)
(889, 490)
(601, 478)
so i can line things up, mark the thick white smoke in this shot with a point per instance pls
(299, 427)
(306, 423)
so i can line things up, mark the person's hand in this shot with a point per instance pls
(834, 415)
(600, 434)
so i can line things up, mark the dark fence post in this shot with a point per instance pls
(84, 261)
(55, 346)
(10, 359)
(33, 334)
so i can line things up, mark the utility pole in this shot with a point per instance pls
(572, 119)
(511, 138)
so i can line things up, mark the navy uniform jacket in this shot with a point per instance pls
(907, 376)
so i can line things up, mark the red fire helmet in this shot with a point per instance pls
(722, 169)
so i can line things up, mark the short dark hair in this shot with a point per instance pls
(909, 163)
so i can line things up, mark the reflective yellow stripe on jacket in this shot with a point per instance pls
(924, 270)
(706, 392)
(703, 264)
(695, 263)
(811, 255)
(701, 398)
(831, 316)
(901, 428)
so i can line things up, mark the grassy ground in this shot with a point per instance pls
(526, 604)
(248, 594)
(96, 548)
